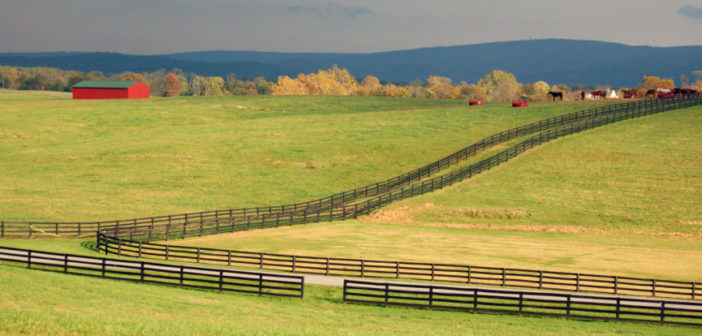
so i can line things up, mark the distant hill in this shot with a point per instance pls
(555, 61)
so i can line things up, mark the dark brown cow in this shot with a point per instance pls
(599, 93)
(630, 94)
(556, 94)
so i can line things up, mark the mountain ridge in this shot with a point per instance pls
(555, 61)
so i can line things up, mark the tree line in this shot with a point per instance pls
(495, 86)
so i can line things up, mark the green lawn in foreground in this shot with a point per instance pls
(66, 160)
(39, 303)
(624, 199)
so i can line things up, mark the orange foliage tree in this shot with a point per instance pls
(172, 85)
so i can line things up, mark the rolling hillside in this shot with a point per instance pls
(555, 61)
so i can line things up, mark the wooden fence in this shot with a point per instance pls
(350, 204)
(466, 274)
(168, 274)
(200, 227)
(524, 302)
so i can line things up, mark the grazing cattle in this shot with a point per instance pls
(599, 93)
(630, 94)
(555, 94)
(651, 93)
(683, 92)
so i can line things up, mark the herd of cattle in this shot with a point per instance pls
(630, 94)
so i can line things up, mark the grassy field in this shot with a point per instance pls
(40, 303)
(96, 160)
(623, 199)
(627, 203)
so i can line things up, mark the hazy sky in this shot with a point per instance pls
(160, 26)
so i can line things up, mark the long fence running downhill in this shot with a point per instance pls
(359, 201)
(134, 238)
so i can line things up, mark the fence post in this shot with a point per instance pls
(29, 259)
(397, 270)
(694, 289)
(197, 257)
(182, 271)
(387, 294)
(326, 271)
(475, 301)
(104, 261)
(166, 252)
(521, 302)
(65, 263)
(616, 285)
(541, 279)
(469, 274)
(662, 312)
(141, 272)
(260, 260)
(229, 257)
(577, 282)
(221, 280)
(260, 284)
(568, 306)
(139, 249)
(504, 277)
(618, 310)
(431, 297)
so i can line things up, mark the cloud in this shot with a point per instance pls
(333, 9)
(692, 12)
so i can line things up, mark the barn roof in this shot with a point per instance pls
(104, 84)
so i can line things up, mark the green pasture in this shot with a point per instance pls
(84, 160)
(624, 199)
(628, 202)
(39, 303)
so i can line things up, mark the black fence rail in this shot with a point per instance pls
(465, 274)
(336, 206)
(524, 302)
(200, 227)
(167, 274)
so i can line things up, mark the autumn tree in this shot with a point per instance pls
(9, 77)
(368, 86)
(132, 76)
(289, 87)
(439, 87)
(499, 86)
(197, 85)
(172, 85)
(475, 92)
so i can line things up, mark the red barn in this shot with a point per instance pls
(110, 90)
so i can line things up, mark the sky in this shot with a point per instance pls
(165, 26)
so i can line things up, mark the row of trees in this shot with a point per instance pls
(161, 83)
(495, 86)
